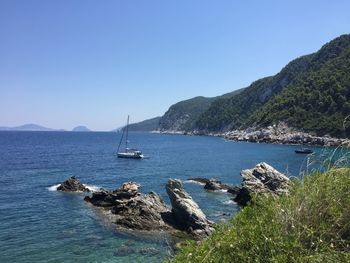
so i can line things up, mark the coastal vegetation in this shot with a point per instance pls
(146, 125)
(318, 101)
(183, 115)
(310, 224)
(311, 93)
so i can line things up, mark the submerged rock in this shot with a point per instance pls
(262, 179)
(148, 251)
(187, 214)
(124, 251)
(72, 185)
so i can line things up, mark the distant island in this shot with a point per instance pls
(27, 127)
(36, 127)
(81, 129)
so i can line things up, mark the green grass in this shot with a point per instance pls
(311, 224)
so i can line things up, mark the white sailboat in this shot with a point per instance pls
(128, 153)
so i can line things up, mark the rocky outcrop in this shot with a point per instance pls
(187, 214)
(262, 179)
(132, 209)
(283, 134)
(72, 185)
(216, 185)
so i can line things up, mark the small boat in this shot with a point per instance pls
(128, 153)
(304, 151)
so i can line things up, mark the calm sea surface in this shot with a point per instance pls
(39, 224)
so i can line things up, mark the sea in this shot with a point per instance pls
(40, 224)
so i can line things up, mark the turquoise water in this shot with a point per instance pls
(39, 224)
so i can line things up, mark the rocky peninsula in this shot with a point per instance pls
(279, 133)
(283, 134)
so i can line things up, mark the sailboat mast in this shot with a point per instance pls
(127, 130)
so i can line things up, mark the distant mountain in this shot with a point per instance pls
(81, 129)
(27, 127)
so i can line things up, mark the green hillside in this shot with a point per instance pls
(318, 101)
(146, 125)
(184, 114)
(311, 92)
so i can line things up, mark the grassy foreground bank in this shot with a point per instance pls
(311, 224)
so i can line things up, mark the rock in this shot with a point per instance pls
(142, 212)
(130, 186)
(213, 185)
(216, 185)
(187, 214)
(132, 209)
(102, 199)
(283, 134)
(72, 185)
(262, 179)
(234, 190)
(200, 180)
(123, 251)
(242, 197)
(149, 251)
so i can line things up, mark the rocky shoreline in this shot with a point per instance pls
(280, 133)
(130, 209)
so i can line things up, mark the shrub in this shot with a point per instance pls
(311, 224)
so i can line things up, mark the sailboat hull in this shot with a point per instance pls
(130, 155)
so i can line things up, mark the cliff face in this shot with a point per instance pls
(182, 115)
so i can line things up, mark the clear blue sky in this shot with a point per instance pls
(77, 62)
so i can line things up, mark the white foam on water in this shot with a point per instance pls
(221, 191)
(229, 202)
(53, 188)
(92, 188)
(193, 182)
